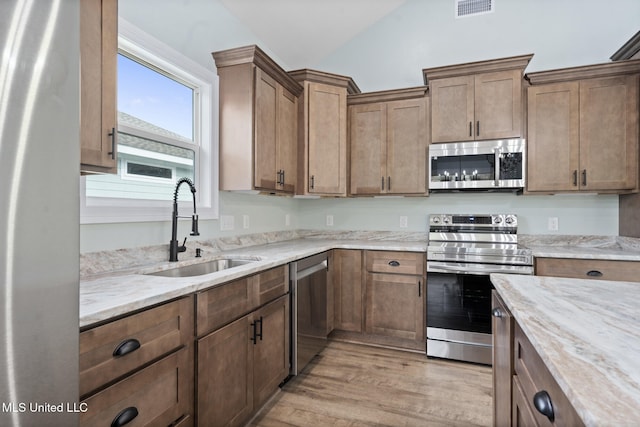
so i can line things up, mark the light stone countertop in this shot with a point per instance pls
(584, 247)
(587, 332)
(108, 295)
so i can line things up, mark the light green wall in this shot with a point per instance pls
(391, 54)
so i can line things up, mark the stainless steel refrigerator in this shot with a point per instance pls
(39, 212)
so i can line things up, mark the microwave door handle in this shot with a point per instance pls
(497, 152)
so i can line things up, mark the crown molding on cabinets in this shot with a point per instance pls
(629, 50)
(470, 68)
(608, 69)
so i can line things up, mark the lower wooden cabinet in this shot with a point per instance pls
(242, 364)
(159, 394)
(524, 391)
(139, 367)
(380, 297)
(626, 271)
(502, 337)
(346, 273)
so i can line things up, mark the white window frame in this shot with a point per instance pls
(97, 210)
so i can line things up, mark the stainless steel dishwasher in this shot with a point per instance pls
(308, 309)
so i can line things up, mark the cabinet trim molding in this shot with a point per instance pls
(631, 66)
(490, 66)
(253, 54)
(316, 76)
(388, 95)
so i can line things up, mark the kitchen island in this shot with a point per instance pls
(587, 334)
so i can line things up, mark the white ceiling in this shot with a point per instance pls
(303, 32)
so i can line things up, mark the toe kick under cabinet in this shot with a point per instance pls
(139, 368)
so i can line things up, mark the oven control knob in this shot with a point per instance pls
(510, 220)
(446, 220)
(435, 220)
(497, 219)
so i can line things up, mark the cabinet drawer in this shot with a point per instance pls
(272, 284)
(534, 377)
(395, 262)
(589, 269)
(155, 332)
(160, 394)
(220, 305)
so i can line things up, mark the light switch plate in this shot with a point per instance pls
(329, 220)
(227, 222)
(404, 222)
(552, 223)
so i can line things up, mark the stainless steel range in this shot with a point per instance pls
(462, 251)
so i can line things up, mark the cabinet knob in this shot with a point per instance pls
(125, 416)
(125, 347)
(496, 312)
(542, 403)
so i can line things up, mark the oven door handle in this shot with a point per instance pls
(439, 267)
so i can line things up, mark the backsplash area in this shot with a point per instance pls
(95, 263)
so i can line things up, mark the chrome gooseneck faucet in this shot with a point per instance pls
(174, 248)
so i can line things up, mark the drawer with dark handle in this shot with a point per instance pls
(109, 351)
(395, 262)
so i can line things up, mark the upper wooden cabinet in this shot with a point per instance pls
(583, 129)
(389, 137)
(98, 74)
(477, 101)
(258, 122)
(322, 136)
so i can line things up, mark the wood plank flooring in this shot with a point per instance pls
(355, 385)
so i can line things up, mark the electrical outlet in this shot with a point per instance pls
(287, 220)
(245, 221)
(404, 222)
(552, 223)
(226, 222)
(329, 220)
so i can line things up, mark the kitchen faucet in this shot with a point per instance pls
(173, 244)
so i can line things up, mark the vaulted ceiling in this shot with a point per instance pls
(320, 26)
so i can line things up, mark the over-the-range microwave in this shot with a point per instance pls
(477, 165)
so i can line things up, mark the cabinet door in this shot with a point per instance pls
(224, 303)
(368, 130)
(98, 56)
(395, 306)
(452, 103)
(502, 336)
(554, 144)
(327, 106)
(347, 296)
(609, 133)
(407, 143)
(286, 154)
(225, 375)
(271, 349)
(266, 104)
(498, 105)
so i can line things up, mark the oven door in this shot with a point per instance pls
(459, 316)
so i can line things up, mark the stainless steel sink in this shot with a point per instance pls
(203, 268)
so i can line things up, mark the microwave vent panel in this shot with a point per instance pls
(466, 8)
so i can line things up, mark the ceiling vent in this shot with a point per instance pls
(465, 8)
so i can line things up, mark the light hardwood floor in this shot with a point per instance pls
(355, 385)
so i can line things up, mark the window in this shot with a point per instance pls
(165, 113)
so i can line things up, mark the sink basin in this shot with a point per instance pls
(203, 268)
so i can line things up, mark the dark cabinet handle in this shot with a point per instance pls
(113, 136)
(394, 263)
(313, 179)
(478, 128)
(382, 184)
(584, 177)
(419, 288)
(282, 177)
(125, 347)
(594, 273)
(542, 402)
(388, 183)
(470, 129)
(575, 178)
(125, 416)
(496, 312)
(260, 333)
